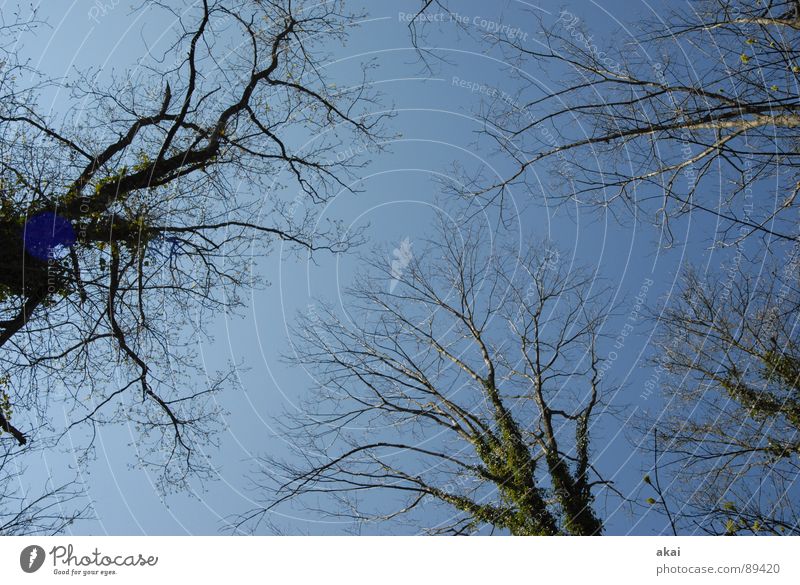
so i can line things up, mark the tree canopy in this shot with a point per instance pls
(129, 216)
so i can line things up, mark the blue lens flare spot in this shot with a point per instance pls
(46, 232)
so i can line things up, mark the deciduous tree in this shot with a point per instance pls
(130, 215)
(466, 381)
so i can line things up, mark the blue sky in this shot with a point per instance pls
(398, 196)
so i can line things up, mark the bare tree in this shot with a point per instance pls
(129, 219)
(729, 360)
(466, 378)
(696, 112)
(693, 113)
(49, 511)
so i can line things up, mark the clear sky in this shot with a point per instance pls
(399, 194)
